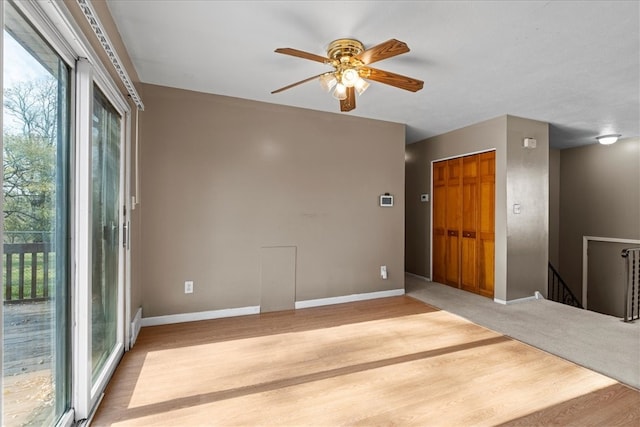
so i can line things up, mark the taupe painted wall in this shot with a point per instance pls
(223, 177)
(607, 275)
(528, 186)
(521, 175)
(554, 207)
(599, 196)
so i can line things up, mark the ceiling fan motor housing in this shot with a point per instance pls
(344, 48)
(343, 54)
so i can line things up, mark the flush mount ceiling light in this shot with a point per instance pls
(608, 139)
(350, 61)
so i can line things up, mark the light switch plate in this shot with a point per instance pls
(188, 287)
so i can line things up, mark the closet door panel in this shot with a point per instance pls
(485, 268)
(469, 211)
(453, 221)
(486, 224)
(453, 259)
(468, 264)
(439, 200)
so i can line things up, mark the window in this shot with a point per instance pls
(36, 306)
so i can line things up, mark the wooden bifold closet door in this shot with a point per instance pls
(463, 222)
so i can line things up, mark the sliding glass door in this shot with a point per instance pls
(105, 202)
(36, 280)
(99, 244)
(64, 151)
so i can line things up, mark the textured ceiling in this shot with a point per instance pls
(573, 64)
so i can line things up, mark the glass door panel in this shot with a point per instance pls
(105, 203)
(35, 285)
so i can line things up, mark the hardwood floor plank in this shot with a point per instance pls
(392, 361)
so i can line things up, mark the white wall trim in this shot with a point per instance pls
(585, 258)
(417, 276)
(246, 311)
(536, 296)
(348, 298)
(201, 315)
(135, 327)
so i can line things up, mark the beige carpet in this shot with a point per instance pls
(602, 343)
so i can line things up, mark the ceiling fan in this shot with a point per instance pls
(350, 62)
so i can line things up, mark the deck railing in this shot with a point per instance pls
(27, 271)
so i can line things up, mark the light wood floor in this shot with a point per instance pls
(392, 361)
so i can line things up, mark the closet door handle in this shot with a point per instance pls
(453, 232)
(471, 234)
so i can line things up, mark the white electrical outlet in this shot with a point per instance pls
(383, 271)
(188, 287)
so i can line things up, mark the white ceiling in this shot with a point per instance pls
(573, 64)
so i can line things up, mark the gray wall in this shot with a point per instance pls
(521, 241)
(223, 178)
(554, 207)
(599, 196)
(607, 276)
(528, 186)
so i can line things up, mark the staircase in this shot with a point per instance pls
(558, 290)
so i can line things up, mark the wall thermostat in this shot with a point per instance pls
(386, 200)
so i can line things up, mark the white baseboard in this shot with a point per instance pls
(245, 311)
(348, 298)
(426, 279)
(201, 315)
(518, 300)
(135, 327)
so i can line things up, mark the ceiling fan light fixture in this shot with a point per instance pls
(351, 66)
(340, 92)
(350, 77)
(608, 139)
(361, 85)
(328, 81)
